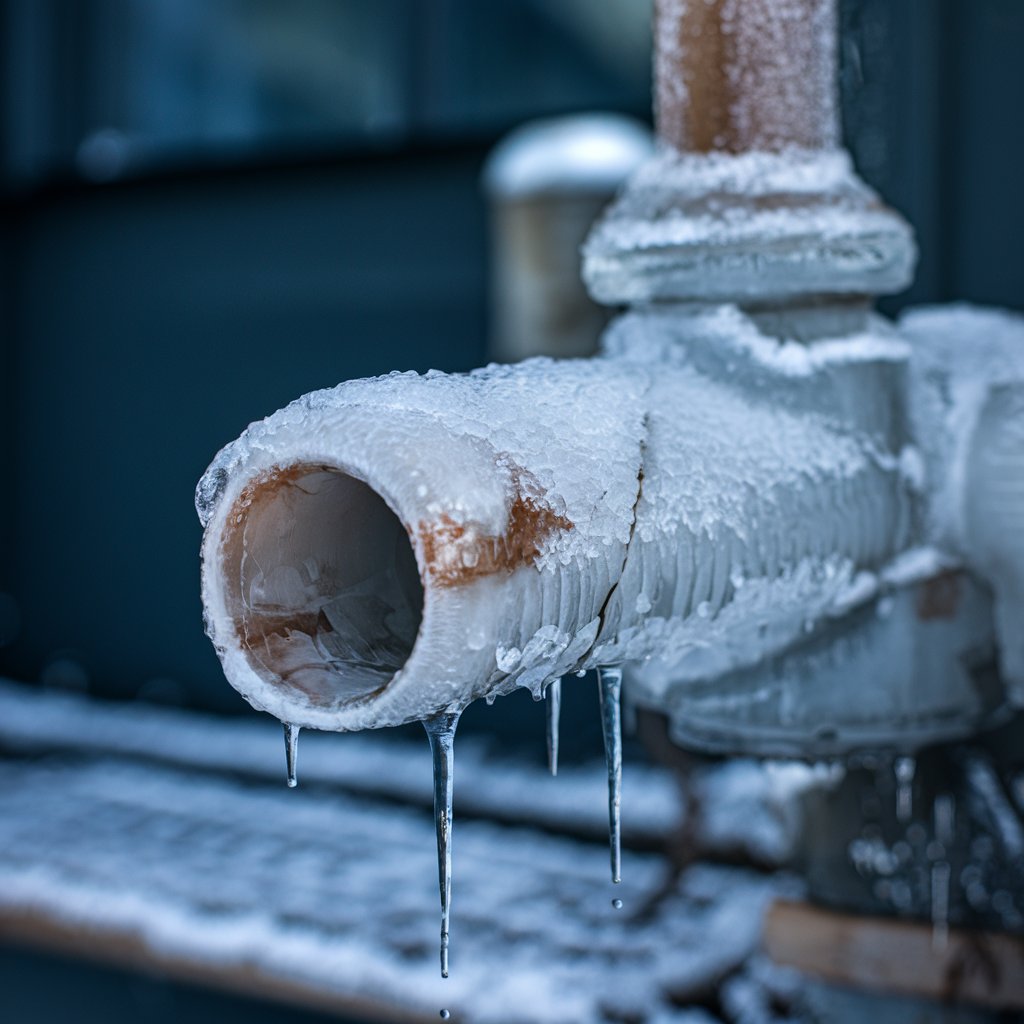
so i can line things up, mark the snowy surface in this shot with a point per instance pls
(750, 809)
(338, 893)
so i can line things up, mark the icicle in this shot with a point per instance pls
(940, 905)
(441, 733)
(609, 681)
(291, 747)
(905, 768)
(554, 709)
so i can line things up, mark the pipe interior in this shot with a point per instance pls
(323, 585)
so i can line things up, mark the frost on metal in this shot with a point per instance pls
(752, 197)
(738, 75)
(760, 224)
(967, 409)
(394, 548)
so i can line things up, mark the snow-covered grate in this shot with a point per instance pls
(329, 897)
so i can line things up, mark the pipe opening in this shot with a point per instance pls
(322, 584)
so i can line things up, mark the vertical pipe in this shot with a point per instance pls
(739, 75)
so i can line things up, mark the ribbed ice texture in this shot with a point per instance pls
(715, 226)
(758, 503)
(562, 516)
(967, 410)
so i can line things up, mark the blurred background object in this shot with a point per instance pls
(547, 182)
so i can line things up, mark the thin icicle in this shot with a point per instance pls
(554, 710)
(609, 681)
(441, 733)
(291, 749)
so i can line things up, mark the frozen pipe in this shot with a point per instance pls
(735, 76)
(392, 549)
(966, 404)
(751, 198)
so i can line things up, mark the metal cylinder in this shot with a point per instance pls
(739, 75)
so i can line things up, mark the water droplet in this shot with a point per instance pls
(609, 681)
(445, 1014)
(554, 711)
(617, 903)
(441, 733)
(904, 768)
(291, 748)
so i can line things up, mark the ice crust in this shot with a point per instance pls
(714, 226)
(705, 495)
(773, 82)
(451, 455)
(680, 469)
(966, 404)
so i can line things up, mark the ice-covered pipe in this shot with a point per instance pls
(966, 404)
(734, 76)
(752, 198)
(394, 548)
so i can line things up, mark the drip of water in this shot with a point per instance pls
(940, 905)
(445, 1014)
(554, 709)
(291, 748)
(617, 903)
(441, 733)
(609, 681)
(905, 768)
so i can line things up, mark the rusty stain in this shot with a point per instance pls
(700, 98)
(277, 642)
(939, 597)
(457, 553)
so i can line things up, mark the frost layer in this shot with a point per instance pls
(966, 404)
(561, 516)
(770, 225)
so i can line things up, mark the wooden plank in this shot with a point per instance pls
(891, 955)
(40, 931)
